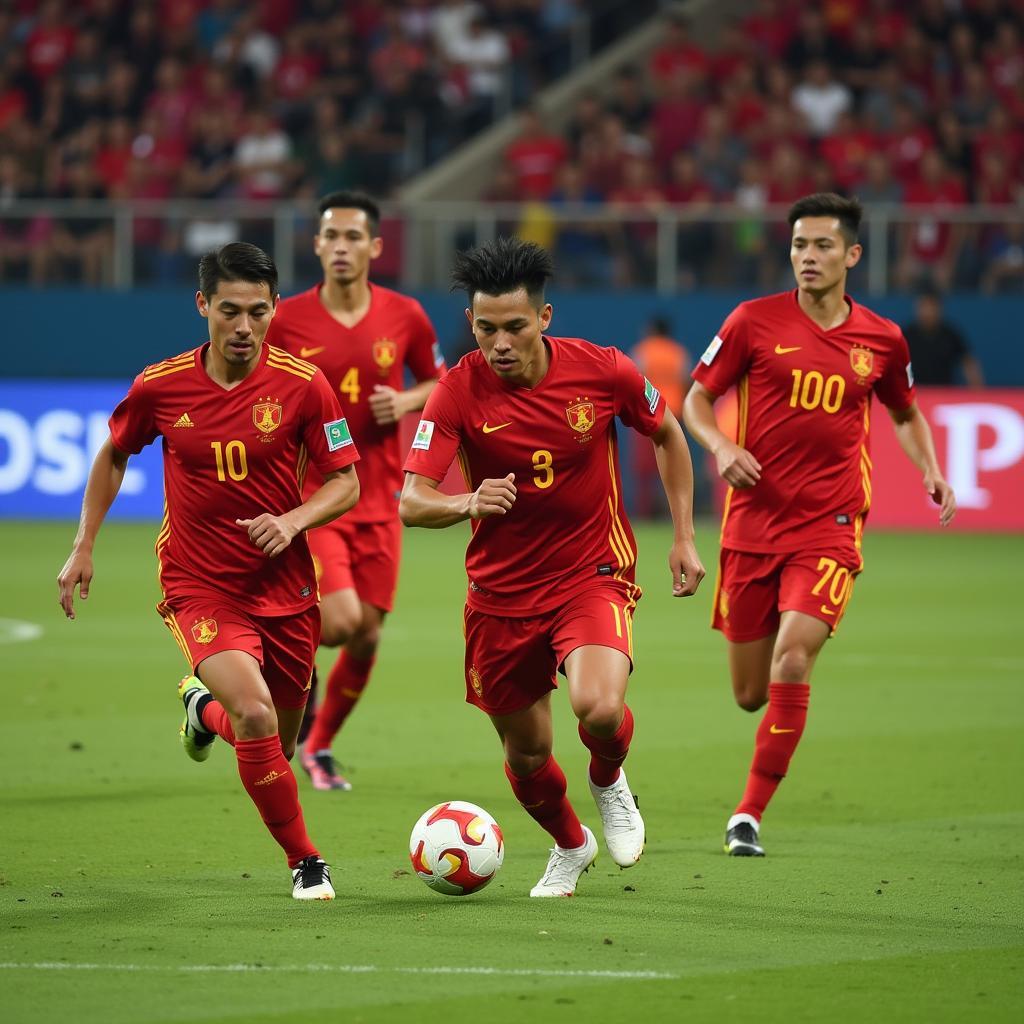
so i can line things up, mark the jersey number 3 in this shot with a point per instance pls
(544, 467)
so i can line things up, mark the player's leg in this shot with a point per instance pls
(359, 582)
(540, 787)
(593, 639)
(813, 593)
(510, 672)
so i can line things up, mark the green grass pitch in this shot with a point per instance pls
(138, 886)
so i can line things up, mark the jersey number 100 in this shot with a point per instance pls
(811, 389)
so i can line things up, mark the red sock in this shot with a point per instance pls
(542, 795)
(269, 780)
(345, 685)
(215, 718)
(777, 736)
(607, 755)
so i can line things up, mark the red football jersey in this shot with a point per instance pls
(804, 414)
(567, 526)
(395, 333)
(234, 454)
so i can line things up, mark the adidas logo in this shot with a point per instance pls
(270, 777)
(184, 420)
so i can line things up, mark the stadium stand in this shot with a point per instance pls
(913, 103)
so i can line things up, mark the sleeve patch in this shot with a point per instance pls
(424, 435)
(437, 354)
(338, 435)
(711, 351)
(651, 395)
(910, 375)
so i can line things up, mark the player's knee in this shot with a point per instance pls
(749, 700)
(364, 642)
(254, 719)
(337, 630)
(600, 716)
(791, 665)
(524, 764)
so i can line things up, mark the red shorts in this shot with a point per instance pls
(752, 591)
(284, 645)
(358, 556)
(512, 662)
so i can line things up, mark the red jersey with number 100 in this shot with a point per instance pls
(234, 454)
(805, 415)
(394, 333)
(567, 527)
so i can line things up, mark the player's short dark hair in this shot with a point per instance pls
(503, 266)
(236, 261)
(830, 204)
(352, 200)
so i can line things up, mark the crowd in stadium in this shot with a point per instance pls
(914, 103)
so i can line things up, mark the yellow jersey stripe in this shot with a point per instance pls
(743, 399)
(273, 352)
(297, 366)
(463, 461)
(617, 528)
(284, 368)
(154, 375)
(185, 359)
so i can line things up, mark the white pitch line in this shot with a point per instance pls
(14, 631)
(498, 972)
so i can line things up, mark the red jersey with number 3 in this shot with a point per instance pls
(567, 527)
(805, 415)
(234, 454)
(394, 334)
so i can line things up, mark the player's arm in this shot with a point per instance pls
(389, 405)
(105, 479)
(334, 497)
(422, 504)
(735, 464)
(676, 471)
(915, 437)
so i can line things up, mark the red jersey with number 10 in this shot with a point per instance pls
(234, 454)
(805, 415)
(394, 333)
(567, 528)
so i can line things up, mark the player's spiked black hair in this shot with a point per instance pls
(503, 266)
(236, 261)
(830, 204)
(350, 200)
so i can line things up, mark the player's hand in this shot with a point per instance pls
(271, 534)
(687, 569)
(493, 498)
(77, 571)
(737, 466)
(943, 496)
(387, 404)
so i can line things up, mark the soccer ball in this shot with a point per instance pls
(456, 848)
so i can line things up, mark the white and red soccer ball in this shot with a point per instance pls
(456, 848)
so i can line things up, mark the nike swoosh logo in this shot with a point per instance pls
(305, 353)
(825, 610)
(776, 731)
(500, 426)
(780, 351)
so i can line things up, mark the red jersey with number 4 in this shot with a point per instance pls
(567, 527)
(234, 454)
(805, 415)
(394, 334)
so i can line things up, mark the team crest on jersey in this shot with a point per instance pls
(205, 631)
(581, 416)
(475, 681)
(385, 352)
(862, 360)
(266, 416)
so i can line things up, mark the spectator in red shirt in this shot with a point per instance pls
(115, 154)
(770, 27)
(694, 238)
(639, 194)
(931, 245)
(536, 156)
(51, 41)
(678, 52)
(1004, 58)
(677, 116)
(846, 150)
(907, 143)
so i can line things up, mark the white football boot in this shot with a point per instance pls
(624, 832)
(311, 880)
(565, 867)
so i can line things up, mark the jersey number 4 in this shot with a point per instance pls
(349, 385)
